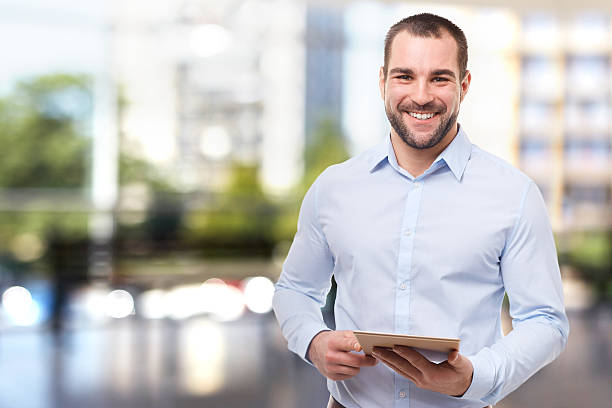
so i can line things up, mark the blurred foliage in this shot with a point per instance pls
(136, 170)
(42, 123)
(44, 127)
(46, 124)
(243, 221)
(240, 220)
(326, 146)
(132, 168)
(591, 254)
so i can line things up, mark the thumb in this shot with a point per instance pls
(350, 342)
(454, 358)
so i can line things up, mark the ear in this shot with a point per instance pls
(465, 84)
(381, 82)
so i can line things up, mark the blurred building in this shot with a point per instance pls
(207, 83)
(565, 135)
(324, 43)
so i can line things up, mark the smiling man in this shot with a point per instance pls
(424, 234)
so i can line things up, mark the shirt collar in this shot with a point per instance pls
(456, 155)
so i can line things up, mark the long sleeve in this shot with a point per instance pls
(305, 280)
(532, 281)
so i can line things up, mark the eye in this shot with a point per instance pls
(403, 77)
(440, 79)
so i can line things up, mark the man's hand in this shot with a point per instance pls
(451, 377)
(332, 353)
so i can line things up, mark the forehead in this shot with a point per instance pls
(424, 53)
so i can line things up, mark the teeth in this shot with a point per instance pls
(421, 115)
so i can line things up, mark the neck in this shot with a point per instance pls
(417, 161)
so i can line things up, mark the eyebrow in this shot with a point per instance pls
(408, 71)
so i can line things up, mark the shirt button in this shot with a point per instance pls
(408, 232)
(417, 184)
(402, 394)
(403, 286)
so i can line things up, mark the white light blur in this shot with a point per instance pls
(258, 293)
(223, 302)
(119, 304)
(209, 39)
(152, 304)
(183, 302)
(202, 354)
(95, 302)
(215, 142)
(20, 307)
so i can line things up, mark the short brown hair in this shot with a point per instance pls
(429, 25)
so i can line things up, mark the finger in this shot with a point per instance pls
(363, 360)
(351, 359)
(399, 370)
(369, 361)
(394, 359)
(453, 357)
(340, 369)
(414, 357)
(345, 358)
(346, 341)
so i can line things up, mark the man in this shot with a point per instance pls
(424, 233)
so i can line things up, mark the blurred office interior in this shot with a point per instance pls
(155, 158)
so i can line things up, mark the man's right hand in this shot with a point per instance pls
(332, 353)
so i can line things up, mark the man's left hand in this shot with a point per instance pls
(451, 377)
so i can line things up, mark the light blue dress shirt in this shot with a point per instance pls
(430, 256)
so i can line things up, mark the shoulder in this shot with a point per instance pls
(497, 170)
(350, 170)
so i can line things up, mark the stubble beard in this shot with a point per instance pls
(410, 139)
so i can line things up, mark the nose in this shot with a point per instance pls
(421, 93)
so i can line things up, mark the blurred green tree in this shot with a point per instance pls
(325, 146)
(243, 221)
(591, 254)
(240, 220)
(44, 129)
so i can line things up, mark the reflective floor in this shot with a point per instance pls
(202, 363)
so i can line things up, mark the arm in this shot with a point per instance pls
(305, 280)
(540, 327)
(531, 277)
(300, 293)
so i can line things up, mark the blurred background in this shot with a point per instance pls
(155, 155)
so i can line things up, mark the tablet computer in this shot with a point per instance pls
(372, 339)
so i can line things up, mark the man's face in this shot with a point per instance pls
(422, 90)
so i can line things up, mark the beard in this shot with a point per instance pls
(408, 137)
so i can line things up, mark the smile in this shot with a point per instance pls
(422, 116)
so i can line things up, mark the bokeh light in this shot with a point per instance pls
(222, 301)
(18, 304)
(152, 304)
(119, 304)
(258, 293)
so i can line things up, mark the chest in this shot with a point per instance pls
(453, 226)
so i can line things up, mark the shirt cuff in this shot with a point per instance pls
(309, 333)
(482, 379)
